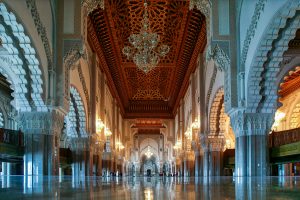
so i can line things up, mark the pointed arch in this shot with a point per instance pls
(266, 63)
(76, 118)
(216, 113)
(19, 63)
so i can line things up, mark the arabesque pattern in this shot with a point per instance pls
(178, 27)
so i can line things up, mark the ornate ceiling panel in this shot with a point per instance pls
(157, 93)
(290, 83)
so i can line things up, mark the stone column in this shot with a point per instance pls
(206, 162)
(81, 158)
(197, 159)
(205, 154)
(251, 131)
(42, 131)
(216, 144)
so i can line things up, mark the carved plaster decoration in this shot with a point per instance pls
(71, 61)
(202, 5)
(72, 57)
(220, 57)
(216, 143)
(21, 66)
(85, 90)
(259, 8)
(203, 141)
(91, 5)
(41, 31)
(215, 115)
(262, 95)
(211, 84)
(48, 123)
(223, 64)
(250, 123)
(205, 8)
(241, 77)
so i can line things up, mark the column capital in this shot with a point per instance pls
(47, 123)
(216, 143)
(251, 123)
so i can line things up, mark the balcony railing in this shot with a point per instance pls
(277, 139)
(11, 137)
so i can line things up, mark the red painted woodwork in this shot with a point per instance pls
(158, 93)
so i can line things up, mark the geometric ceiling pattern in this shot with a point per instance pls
(157, 93)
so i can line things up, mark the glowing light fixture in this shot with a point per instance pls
(188, 133)
(196, 124)
(148, 153)
(177, 146)
(120, 146)
(145, 54)
(99, 125)
(107, 132)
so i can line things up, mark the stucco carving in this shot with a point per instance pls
(72, 57)
(91, 5)
(202, 5)
(259, 8)
(250, 123)
(216, 143)
(71, 62)
(41, 31)
(211, 84)
(48, 123)
(262, 95)
(220, 57)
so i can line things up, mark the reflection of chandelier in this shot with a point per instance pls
(144, 43)
(148, 153)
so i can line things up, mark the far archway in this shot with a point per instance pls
(221, 138)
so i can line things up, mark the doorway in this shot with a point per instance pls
(149, 172)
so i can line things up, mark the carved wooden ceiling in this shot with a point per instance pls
(158, 93)
(290, 83)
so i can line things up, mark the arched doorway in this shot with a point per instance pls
(221, 138)
(284, 135)
(149, 166)
(74, 137)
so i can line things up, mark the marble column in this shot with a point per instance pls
(197, 159)
(41, 133)
(216, 144)
(204, 154)
(251, 131)
(205, 162)
(81, 158)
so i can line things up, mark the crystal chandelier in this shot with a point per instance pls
(145, 53)
(148, 153)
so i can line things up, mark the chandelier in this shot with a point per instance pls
(148, 153)
(145, 53)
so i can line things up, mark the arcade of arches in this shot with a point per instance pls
(225, 100)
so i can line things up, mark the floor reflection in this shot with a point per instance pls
(34, 187)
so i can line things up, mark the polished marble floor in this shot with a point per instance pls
(32, 187)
